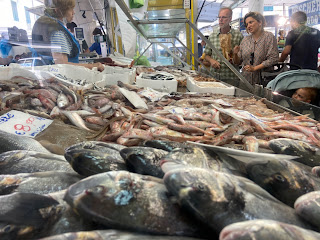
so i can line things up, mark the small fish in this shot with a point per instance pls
(266, 229)
(62, 101)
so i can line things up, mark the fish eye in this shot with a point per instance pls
(279, 178)
(200, 187)
(7, 229)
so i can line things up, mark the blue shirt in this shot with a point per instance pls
(95, 47)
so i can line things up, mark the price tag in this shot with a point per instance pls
(23, 124)
(187, 4)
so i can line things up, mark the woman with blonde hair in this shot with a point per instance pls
(50, 35)
(258, 50)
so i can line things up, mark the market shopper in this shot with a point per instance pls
(258, 50)
(49, 30)
(302, 43)
(224, 40)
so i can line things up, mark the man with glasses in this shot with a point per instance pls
(224, 40)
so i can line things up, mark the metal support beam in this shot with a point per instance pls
(224, 60)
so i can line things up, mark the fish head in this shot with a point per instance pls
(11, 156)
(11, 231)
(281, 178)
(99, 195)
(203, 191)
(188, 156)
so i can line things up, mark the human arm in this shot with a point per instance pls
(236, 58)
(211, 62)
(208, 56)
(61, 49)
(62, 58)
(286, 51)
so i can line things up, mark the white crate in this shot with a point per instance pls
(111, 75)
(211, 87)
(162, 85)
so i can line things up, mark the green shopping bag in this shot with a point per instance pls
(136, 3)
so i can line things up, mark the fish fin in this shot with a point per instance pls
(25, 208)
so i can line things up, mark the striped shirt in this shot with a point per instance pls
(265, 51)
(224, 73)
(60, 43)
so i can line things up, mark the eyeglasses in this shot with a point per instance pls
(251, 58)
(223, 17)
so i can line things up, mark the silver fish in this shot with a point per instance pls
(10, 142)
(39, 183)
(24, 161)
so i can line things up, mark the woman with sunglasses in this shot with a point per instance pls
(51, 38)
(257, 51)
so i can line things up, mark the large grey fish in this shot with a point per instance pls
(308, 207)
(265, 230)
(112, 234)
(25, 161)
(144, 160)
(307, 154)
(68, 220)
(129, 201)
(26, 215)
(9, 142)
(92, 157)
(39, 182)
(278, 174)
(219, 199)
(285, 180)
(198, 156)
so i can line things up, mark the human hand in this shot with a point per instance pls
(99, 66)
(249, 68)
(215, 64)
(236, 49)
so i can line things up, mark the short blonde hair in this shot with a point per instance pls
(58, 8)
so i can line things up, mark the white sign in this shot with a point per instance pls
(187, 4)
(23, 124)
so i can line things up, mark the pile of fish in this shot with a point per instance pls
(161, 189)
(241, 123)
(187, 166)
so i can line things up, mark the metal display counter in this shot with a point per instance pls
(155, 30)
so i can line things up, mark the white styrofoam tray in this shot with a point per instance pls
(163, 85)
(212, 87)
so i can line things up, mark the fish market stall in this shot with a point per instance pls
(114, 154)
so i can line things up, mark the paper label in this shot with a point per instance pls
(187, 4)
(23, 124)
